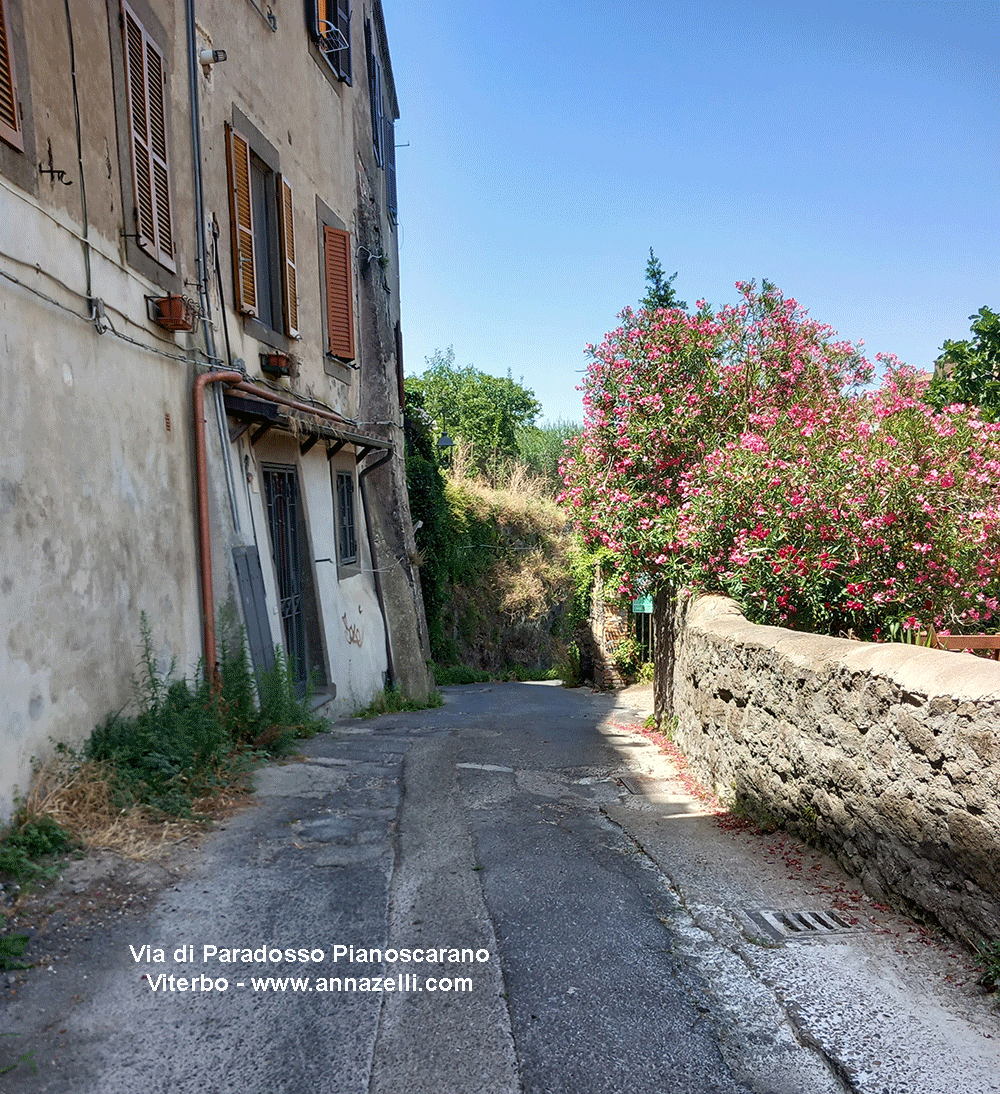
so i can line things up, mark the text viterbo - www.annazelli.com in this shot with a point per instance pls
(402, 981)
(395, 981)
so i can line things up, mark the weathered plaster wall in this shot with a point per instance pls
(97, 520)
(350, 620)
(889, 754)
(96, 516)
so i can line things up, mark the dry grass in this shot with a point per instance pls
(78, 795)
(521, 502)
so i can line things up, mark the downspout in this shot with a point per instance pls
(202, 250)
(79, 162)
(385, 457)
(293, 404)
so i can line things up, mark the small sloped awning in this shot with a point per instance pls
(261, 413)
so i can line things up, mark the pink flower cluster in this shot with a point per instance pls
(740, 451)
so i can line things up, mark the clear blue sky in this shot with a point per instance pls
(846, 151)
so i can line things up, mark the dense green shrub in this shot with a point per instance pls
(188, 739)
(28, 841)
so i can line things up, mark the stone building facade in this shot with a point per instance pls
(199, 299)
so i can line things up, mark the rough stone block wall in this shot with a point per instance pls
(887, 754)
(609, 627)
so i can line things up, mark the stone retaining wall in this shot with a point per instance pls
(887, 754)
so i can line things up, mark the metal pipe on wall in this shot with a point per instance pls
(201, 248)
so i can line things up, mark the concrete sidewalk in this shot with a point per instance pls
(890, 1005)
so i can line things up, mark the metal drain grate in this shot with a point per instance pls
(789, 926)
(643, 784)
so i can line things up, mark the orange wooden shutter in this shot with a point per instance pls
(339, 297)
(241, 216)
(10, 108)
(287, 234)
(145, 84)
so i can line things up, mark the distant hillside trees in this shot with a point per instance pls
(482, 410)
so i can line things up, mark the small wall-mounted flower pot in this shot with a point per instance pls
(276, 364)
(175, 313)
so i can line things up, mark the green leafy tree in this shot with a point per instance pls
(429, 506)
(483, 410)
(969, 371)
(541, 449)
(660, 291)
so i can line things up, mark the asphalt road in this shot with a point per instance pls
(530, 936)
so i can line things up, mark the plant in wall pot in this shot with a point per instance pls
(176, 313)
(279, 364)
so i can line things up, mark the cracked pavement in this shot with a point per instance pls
(538, 826)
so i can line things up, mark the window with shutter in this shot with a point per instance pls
(265, 268)
(374, 92)
(331, 27)
(241, 217)
(389, 142)
(288, 280)
(10, 107)
(145, 83)
(339, 295)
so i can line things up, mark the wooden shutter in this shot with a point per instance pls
(339, 296)
(286, 232)
(389, 140)
(241, 218)
(10, 107)
(145, 81)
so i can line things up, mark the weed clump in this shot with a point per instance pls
(27, 846)
(988, 958)
(391, 701)
(187, 741)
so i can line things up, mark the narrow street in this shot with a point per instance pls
(583, 925)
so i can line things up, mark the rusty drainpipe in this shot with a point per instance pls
(274, 397)
(238, 381)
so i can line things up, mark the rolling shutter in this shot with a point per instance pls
(241, 217)
(288, 281)
(145, 81)
(339, 296)
(10, 108)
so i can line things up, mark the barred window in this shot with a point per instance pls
(345, 517)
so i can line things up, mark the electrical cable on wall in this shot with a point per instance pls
(116, 333)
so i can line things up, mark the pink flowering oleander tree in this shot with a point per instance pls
(739, 451)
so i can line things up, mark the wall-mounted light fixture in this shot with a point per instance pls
(209, 57)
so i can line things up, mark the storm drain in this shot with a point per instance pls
(643, 784)
(792, 926)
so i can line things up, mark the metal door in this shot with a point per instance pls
(281, 488)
